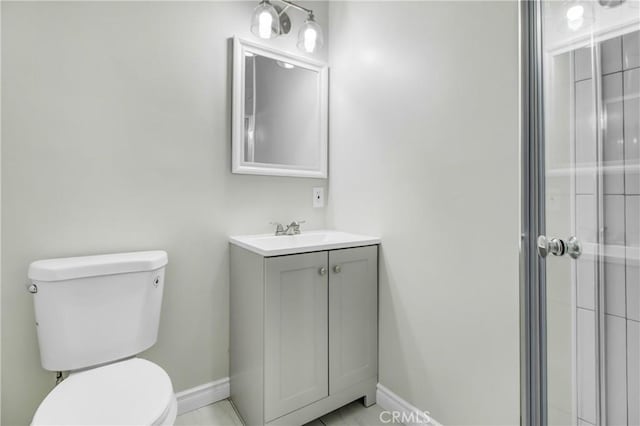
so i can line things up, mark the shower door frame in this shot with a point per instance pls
(533, 362)
(533, 280)
(533, 277)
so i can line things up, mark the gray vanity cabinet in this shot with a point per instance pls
(295, 332)
(353, 316)
(303, 337)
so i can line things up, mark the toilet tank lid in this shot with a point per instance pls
(91, 266)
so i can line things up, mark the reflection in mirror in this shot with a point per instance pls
(279, 113)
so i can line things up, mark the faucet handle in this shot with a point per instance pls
(294, 227)
(279, 227)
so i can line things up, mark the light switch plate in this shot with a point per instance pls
(318, 197)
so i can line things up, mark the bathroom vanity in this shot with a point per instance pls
(304, 325)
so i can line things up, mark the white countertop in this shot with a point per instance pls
(270, 245)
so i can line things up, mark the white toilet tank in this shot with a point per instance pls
(92, 310)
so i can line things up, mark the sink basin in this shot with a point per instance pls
(271, 245)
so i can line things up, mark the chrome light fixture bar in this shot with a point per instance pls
(610, 3)
(270, 21)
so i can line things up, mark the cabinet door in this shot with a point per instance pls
(296, 335)
(353, 316)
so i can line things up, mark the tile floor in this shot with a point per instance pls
(222, 414)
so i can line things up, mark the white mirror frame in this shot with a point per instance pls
(240, 48)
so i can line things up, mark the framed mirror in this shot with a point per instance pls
(279, 113)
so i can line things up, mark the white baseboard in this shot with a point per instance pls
(408, 414)
(208, 393)
(199, 396)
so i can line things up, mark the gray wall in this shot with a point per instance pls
(424, 152)
(116, 137)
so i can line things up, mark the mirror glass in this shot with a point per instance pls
(280, 114)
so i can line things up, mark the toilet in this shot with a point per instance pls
(93, 315)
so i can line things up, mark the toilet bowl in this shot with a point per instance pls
(94, 315)
(130, 392)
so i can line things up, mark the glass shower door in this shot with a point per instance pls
(591, 211)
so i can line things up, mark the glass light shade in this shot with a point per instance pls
(575, 17)
(310, 36)
(265, 22)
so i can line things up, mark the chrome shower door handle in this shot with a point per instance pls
(558, 247)
(574, 249)
(548, 246)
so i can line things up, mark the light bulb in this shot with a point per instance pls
(264, 24)
(575, 17)
(310, 35)
(575, 12)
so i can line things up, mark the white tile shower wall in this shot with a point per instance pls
(611, 55)
(585, 137)
(616, 370)
(614, 226)
(586, 278)
(586, 220)
(633, 371)
(632, 224)
(582, 68)
(613, 138)
(632, 213)
(621, 206)
(632, 233)
(631, 88)
(633, 289)
(586, 232)
(614, 237)
(586, 365)
(631, 50)
(615, 289)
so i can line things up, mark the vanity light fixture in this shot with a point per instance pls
(575, 17)
(270, 21)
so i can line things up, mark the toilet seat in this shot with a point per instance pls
(130, 392)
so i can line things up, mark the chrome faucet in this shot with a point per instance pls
(292, 229)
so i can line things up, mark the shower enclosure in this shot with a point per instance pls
(581, 212)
